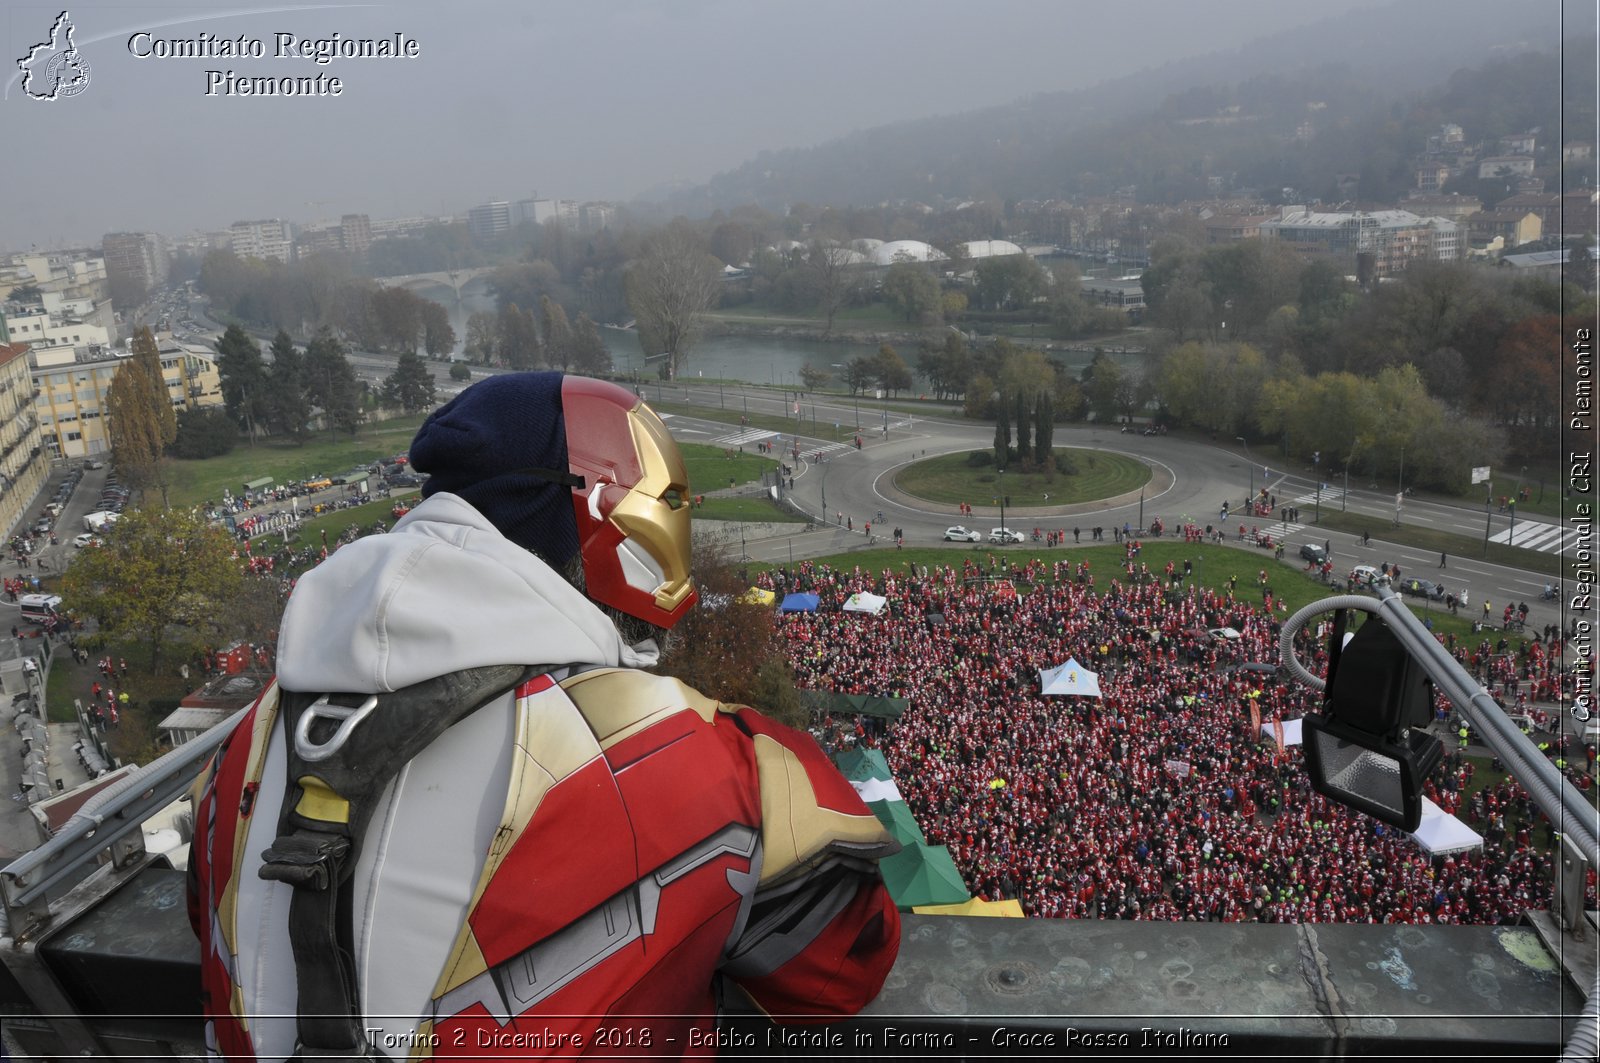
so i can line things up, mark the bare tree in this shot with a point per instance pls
(670, 287)
(827, 265)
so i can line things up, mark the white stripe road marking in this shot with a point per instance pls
(750, 435)
(1536, 535)
(1533, 535)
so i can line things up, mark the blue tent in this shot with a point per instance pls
(798, 603)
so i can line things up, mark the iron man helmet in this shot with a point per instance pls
(632, 506)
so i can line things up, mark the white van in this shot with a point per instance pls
(99, 520)
(39, 608)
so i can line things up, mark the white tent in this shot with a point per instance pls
(862, 602)
(1069, 680)
(1291, 732)
(1439, 832)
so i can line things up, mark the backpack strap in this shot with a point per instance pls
(342, 751)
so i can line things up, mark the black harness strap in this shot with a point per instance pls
(340, 758)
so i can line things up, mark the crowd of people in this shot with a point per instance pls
(1165, 798)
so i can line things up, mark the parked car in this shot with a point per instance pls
(1005, 535)
(958, 534)
(405, 479)
(86, 539)
(1313, 553)
(1422, 588)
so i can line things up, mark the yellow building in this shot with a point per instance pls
(71, 386)
(24, 462)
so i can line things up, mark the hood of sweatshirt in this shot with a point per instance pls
(442, 591)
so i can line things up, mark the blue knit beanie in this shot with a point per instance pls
(502, 446)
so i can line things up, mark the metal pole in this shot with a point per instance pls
(1487, 517)
(1344, 502)
(1141, 508)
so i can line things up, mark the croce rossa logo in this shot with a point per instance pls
(54, 69)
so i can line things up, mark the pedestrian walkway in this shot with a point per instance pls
(1536, 535)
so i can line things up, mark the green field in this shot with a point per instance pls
(710, 468)
(195, 481)
(1100, 474)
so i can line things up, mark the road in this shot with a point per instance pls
(858, 483)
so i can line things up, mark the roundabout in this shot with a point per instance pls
(1078, 476)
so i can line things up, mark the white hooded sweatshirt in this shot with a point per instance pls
(441, 592)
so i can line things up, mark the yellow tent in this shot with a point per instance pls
(1010, 909)
(757, 596)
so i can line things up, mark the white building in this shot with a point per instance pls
(265, 239)
(42, 330)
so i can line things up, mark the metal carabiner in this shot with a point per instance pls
(320, 709)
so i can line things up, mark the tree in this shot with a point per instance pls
(859, 372)
(947, 365)
(399, 318)
(911, 291)
(244, 380)
(331, 383)
(1008, 282)
(519, 339)
(290, 409)
(891, 370)
(557, 334)
(827, 265)
(483, 336)
(733, 653)
(590, 355)
(204, 432)
(1102, 386)
(1002, 433)
(438, 336)
(812, 378)
(162, 578)
(670, 287)
(140, 414)
(410, 386)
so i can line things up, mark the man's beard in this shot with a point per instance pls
(632, 629)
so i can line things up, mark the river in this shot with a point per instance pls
(775, 360)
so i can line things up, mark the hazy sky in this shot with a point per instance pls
(580, 99)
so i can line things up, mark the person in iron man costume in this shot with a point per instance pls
(571, 868)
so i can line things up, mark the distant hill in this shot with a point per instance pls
(1348, 97)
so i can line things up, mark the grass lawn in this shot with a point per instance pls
(747, 509)
(194, 481)
(711, 467)
(1435, 541)
(1099, 474)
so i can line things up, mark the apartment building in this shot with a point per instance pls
(71, 386)
(136, 262)
(265, 239)
(42, 329)
(489, 220)
(1392, 237)
(24, 464)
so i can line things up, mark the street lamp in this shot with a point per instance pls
(1249, 499)
(1488, 499)
(1400, 486)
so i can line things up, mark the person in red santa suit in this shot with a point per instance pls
(464, 820)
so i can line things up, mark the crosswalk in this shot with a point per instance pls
(1537, 535)
(748, 436)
